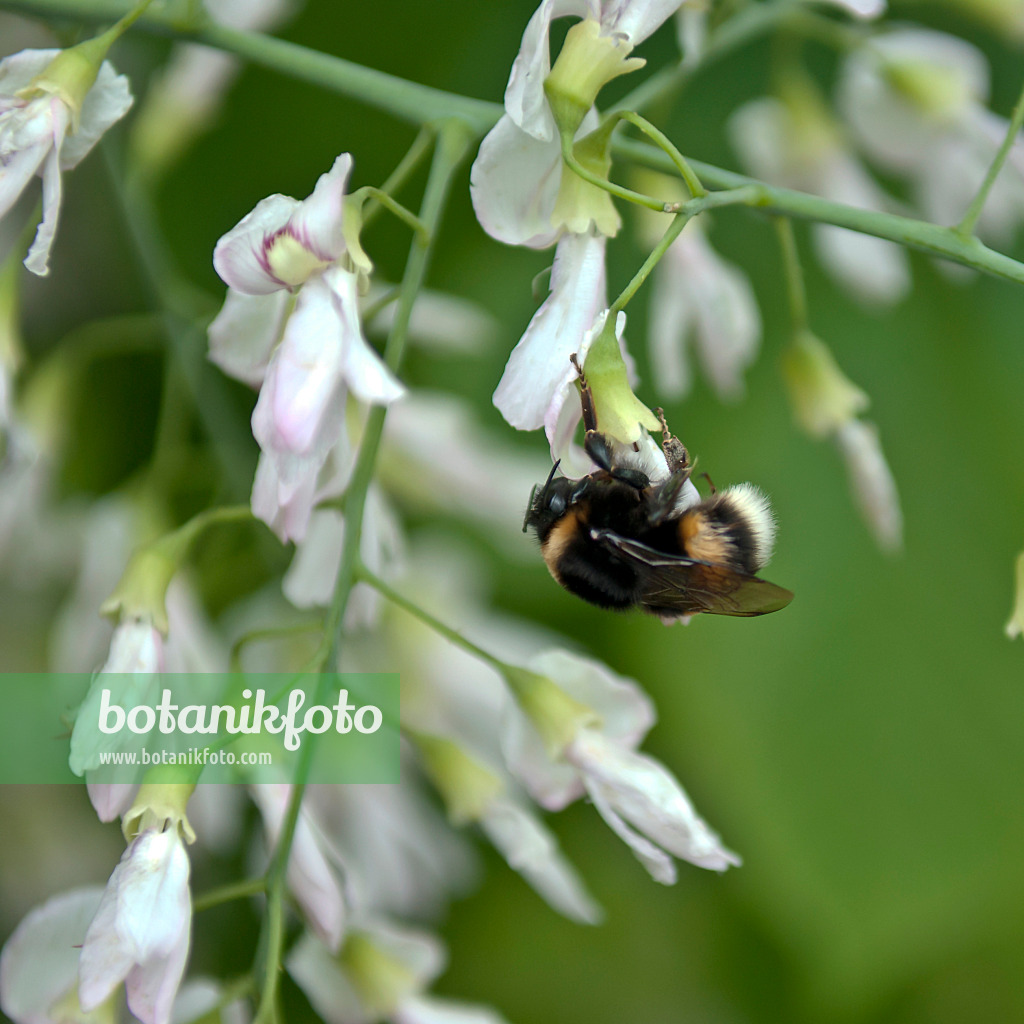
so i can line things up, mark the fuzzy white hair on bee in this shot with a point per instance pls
(735, 527)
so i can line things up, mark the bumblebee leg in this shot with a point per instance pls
(599, 448)
(676, 455)
(662, 504)
(586, 400)
(711, 484)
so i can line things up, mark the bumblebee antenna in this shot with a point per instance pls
(533, 494)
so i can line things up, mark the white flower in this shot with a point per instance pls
(636, 795)
(381, 974)
(1015, 626)
(915, 99)
(140, 934)
(538, 379)
(702, 301)
(517, 179)
(872, 482)
(796, 145)
(42, 131)
(632, 21)
(399, 854)
(310, 876)
(285, 245)
(313, 573)
(465, 472)
(39, 962)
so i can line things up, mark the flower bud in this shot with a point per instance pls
(468, 788)
(588, 60)
(580, 203)
(620, 414)
(160, 805)
(554, 714)
(382, 980)
(823, 397)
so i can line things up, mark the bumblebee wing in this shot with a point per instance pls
(685, 586)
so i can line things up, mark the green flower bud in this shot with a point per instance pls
(588, 60)
(823, 397)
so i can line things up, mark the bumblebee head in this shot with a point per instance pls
(548, 503)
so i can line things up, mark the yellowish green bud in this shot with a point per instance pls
(160, 804)
(70, 75)
(555, 715)
(823, 397)
(932, 88)
(381, 980)
(579, 203)
(142, 591)
(1015, 627)
(468, 788)
(588, 60)
(620, 414)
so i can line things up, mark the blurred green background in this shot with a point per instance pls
(861, 750)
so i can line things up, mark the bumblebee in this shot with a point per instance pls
(631, 534)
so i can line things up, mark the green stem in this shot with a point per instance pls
(795, 290)
(660, 139)
(967, 225)
(400, 175)
(451, 635)
(408, 101)
(570, 161)
(689, 210)
(405, 216)
(931, 239)
(270, 633)
(452, 146)
(227, 893)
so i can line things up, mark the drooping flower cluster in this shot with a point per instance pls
(291, 322)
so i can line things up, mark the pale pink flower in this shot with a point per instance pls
(41, 134)
(141, 932)
(286, 245)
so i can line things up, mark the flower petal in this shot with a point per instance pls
(514, 183)
(243, 334)
(533, 387)
(872, 482)
(39, 962)
(533, 851)
(240, 256)
(109, 99)
(317, 221)
(301, 403)
(365, 373)
(644, 793)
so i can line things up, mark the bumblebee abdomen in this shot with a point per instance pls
(585, 568)
(734, 528)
